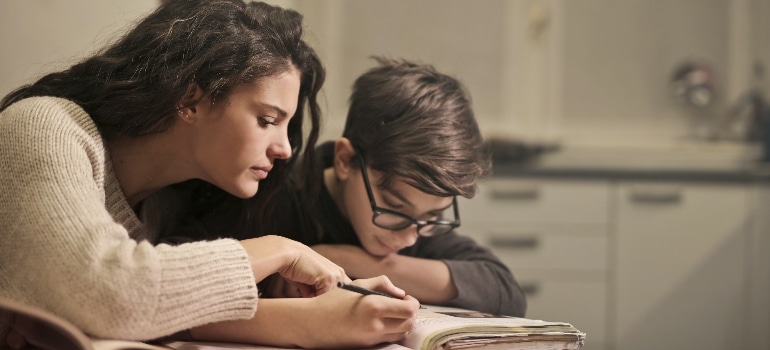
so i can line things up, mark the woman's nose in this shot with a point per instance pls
(281, 149)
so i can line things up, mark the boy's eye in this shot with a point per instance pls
(391, 205)
(433, 215)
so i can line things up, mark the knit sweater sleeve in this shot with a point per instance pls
(71, 244)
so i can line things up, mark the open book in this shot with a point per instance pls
(436, 328)
(445, 328)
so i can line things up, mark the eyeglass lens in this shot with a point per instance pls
(393, 221)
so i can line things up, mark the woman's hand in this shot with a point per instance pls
(313, 273)
(342, 318)
(337, 319)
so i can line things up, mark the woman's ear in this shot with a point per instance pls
(187, 107)
(343, 156)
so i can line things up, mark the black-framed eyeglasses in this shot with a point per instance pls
(393, 220)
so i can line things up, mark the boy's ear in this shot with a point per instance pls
(343, 156)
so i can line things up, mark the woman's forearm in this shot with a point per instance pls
(336, 319)
(275, 323)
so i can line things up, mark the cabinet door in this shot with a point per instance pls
(577, 297)
(759, 290)
(681, 272)
(553, 235)
(561, 267)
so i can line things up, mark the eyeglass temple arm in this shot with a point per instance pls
(360, 156)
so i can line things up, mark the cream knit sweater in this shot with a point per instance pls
(70, 243)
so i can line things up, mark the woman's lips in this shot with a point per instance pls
(261, 173)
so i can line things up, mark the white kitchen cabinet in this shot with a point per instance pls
(758, 336)
(553, 235)
(635, 264)
(681, 265)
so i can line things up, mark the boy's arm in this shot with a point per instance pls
(447, 270)
(428, 280)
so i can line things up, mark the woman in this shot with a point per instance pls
(212, 90)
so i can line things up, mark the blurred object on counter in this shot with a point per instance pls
(693, 83)
(746, 120)
(766, 138)
(512, 151)
(747, 117)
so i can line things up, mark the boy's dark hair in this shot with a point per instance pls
(417, 124)
(133, 87)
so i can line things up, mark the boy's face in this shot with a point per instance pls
(400, 197)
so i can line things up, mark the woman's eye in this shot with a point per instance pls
(265, 121)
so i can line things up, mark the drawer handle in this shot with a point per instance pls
(530, 289)
(520, 242)
(515, 194)
(656, 196)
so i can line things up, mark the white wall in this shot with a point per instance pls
(595, 72)
(462, 38)
(618, 59)
(760, 44)
(40, 36)
(590, 71)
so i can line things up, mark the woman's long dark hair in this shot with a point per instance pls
(134, 86)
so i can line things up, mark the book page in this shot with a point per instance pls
(435, 327)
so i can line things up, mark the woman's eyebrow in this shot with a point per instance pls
(277, 109)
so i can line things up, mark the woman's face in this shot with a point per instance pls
(238, 139)
(400, 197)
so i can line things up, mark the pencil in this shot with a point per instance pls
(365, 291)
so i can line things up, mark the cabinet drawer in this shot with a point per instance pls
(577, 298)
(569, 247)
(539, 201)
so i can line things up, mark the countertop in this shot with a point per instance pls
(690, 163)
